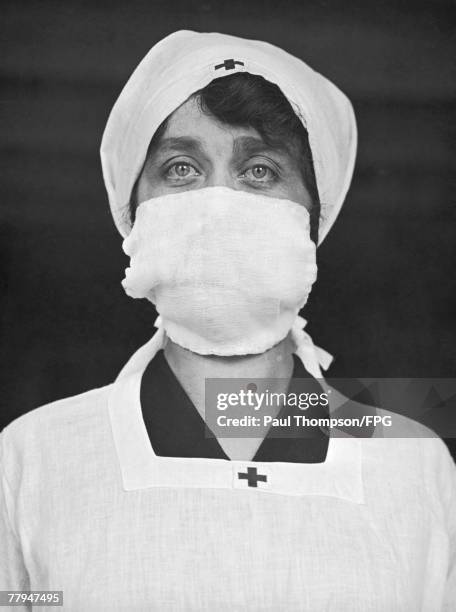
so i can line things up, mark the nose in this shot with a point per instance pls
(221, 177)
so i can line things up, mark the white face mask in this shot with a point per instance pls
(228, 271)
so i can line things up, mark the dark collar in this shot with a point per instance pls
(176, 429)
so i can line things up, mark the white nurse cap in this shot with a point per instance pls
(185, 62)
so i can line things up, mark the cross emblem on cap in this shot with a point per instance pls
(252, 477)
(229, 64)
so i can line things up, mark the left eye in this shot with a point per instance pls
(181, 170)
(260, 173)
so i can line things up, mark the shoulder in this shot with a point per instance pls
(58, 413)
(52, 425)
(396, 425)
(405, 438)
(413, 457)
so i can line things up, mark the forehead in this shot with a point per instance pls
(189, 119)
(189, 124)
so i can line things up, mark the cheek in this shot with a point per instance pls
(148, 187)
(295, 190)
(144, 189)
(151, 184)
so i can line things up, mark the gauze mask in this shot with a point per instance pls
(228, 271)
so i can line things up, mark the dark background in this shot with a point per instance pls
(385, 301)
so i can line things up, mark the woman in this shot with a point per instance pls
(226, 161)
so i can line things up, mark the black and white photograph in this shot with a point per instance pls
(228, 306)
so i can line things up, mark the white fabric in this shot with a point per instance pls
(87, 507)
(313, 357)
(186, 61)
(227, 270)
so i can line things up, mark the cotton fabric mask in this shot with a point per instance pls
(227, 270)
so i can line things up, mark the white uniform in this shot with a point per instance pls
(88, 508)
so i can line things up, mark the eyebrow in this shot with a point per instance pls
(187, 143)
(252, 145)
(244, 145)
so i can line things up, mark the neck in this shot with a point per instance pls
(191, 369)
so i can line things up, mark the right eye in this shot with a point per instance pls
(181, 170)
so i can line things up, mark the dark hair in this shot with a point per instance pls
(248, 100)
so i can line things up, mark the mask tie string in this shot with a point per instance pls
(313, 357)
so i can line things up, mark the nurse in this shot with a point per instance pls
(226, 162)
